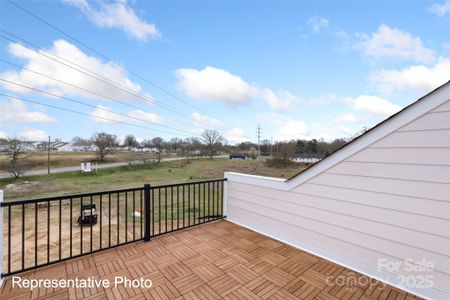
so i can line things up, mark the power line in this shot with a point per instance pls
(96, 76)
(83, 89)
(93, 106)
(85, 114)
(104, 56)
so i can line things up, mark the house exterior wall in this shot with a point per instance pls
(389, 201)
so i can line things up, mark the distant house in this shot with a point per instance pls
(307, 158)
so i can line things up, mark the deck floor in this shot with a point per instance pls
(219, 260)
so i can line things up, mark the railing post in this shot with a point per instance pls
(225, 198)
(147, 211)
(1, 237)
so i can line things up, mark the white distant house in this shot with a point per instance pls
(380, 205)
(307, 158)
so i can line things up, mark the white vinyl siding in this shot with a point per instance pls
(389, 200)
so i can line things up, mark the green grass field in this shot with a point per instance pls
(135, 176)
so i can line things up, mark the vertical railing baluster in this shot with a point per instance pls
(81, 225)
(9, 239)
(23, 236)
(70, 223)
(165, 208)
(126, 217)
(178, 207)
(109, 219)
(184, 209)
(159, 207)
(48, 231)
(193, 196)
(118, 219)
(100, 214)
(134, 217)
(142, 211)
(189, 205)
(204, 202)
(171, 206)
(153, 213)
(209, 201)
(36, 234)
(59, 233)
(90, 224)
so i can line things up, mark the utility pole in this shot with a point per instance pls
(259, 133)
(48, 156)
(271, 145)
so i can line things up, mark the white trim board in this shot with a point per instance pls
(422, 106)
(357, 266)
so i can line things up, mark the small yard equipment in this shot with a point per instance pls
(89, 215)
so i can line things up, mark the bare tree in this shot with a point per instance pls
(130, 142)
(158, 143)
(212, 139)
(175, 144)
(16, 149)
(105, 144)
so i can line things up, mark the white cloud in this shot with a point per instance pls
(104, 115)
(222, 86)
(16, 111)
(293, 129)
(202, 120)
(316, 23)
(235, 135)
(33, 135)
(419, 78)
(3, 135)
(116, 15)
(53, 69)
(389, 42)
(281, 100)
(440, 10)
(374, 105)
(215, 84)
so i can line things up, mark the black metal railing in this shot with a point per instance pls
(39, 232)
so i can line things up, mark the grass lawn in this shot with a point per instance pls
(38, 160)
(125, 177)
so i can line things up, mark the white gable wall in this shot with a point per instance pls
(390, 199)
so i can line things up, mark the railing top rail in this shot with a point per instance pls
(62, 197)
(187, 183)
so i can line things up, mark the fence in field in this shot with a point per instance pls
(38, 232)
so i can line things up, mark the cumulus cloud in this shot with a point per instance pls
(235, 135)
(293, 129)
(418, 78)
(374, 105)
(222, 86)
(116, 15)
(15, 110)
(215, 84)
(202, 120)
(317, 23)
(104, 115)
(70, 52)
(33, 135)
(389, 42)
(440, 10)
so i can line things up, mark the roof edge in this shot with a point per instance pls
(411, 112)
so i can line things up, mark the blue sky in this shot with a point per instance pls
(300, 69)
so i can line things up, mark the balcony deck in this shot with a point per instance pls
(219, 260)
